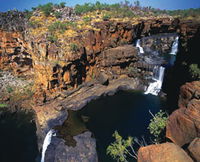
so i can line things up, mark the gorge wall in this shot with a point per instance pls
(56, 68)
(101, 55)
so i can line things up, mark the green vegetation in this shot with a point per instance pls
(3, 105)
(185, 13)
(62, 4)
(34, 24)
(117, 10)
(194, 71)
(9, 89)
(73, 47)
(61, 27)
(52, 38)
(106, 17)
(122, 9)
(57, 14)
(121, 149)
(158, 124)
(58, 26)
(71, 24)
(47, 9)
(86, 19)
(28, 14)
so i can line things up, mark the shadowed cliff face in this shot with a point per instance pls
(18, 136)
(188, 53)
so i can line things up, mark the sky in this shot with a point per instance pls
(6, 5)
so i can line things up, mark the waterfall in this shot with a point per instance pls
(174, 49)
(158, 75)
(46, 143)
(138, 45)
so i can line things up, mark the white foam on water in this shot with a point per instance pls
(155, 87)
(47, 142)
(141, 50)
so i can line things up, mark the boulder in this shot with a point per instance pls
(194, 149)
(103, 78)
(184, 124)
(166, 152)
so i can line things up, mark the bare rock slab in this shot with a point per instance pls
(166, 152)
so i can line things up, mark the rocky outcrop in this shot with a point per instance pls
(57, 68)
(119, 56)
(13, 21)
(159, 43)
(166, 152)
(184, 124)
(83, 151)
(13, 54)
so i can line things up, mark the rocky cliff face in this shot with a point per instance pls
(13, 55)
(103, 54)
(58, 68)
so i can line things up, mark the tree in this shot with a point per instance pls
(120, 148)
(158, 124)
(194, 71)
(62, 4)
(137, 3)
(46, 9)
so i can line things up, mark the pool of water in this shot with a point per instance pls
(18, 140)
(127, 112)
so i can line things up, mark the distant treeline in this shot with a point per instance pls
(126, 8)
(183, 13)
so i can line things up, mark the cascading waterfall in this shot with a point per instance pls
(158, 71)
(155, 87)
(141, 50)
(47, 142)
(174, 49)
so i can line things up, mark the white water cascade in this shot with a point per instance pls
(174, 49)
(139, 46)
(46, 143)
(155, 87)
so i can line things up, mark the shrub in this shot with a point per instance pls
(28, 14)
(81, 9)
(57, 14)
(57, 26)
(157, 124)
(34, 24)
(118, 10)
(106, 17)
(9, 89)
(73, 47)
(3, 105)
(72, 24)
(52, 38)
(194, 71)
(62, 4)
(86, 19)
(47, 9)
(119, 149)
